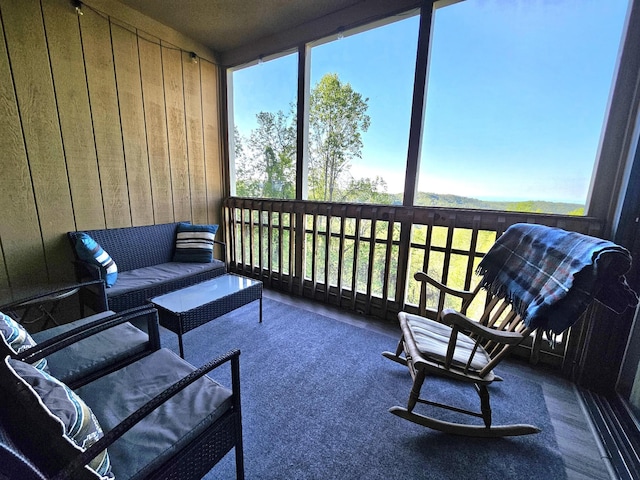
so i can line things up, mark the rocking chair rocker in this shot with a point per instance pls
(537, 278)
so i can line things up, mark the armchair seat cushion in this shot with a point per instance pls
(92, 354)
(170, 427)
(432, 340)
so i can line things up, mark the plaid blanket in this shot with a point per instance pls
(551, 275)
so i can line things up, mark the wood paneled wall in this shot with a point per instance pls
(105, 121)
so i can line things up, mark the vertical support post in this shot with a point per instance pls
(418, 103)
(302, 168)
(415, 141)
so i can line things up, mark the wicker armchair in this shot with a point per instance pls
(162, 418)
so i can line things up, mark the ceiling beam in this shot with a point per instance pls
(364, 12)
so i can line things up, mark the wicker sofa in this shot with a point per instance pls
(157, 416)
(144, 258)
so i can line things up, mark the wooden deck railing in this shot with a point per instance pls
(363, 257)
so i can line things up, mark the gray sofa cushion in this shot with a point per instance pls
(179, 420)
(143, 278)
(82, 358)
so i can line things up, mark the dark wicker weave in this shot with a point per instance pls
(132, 248)
(124, 244)
(190, 461)
(124, 301)
(182, 322)
(202, 453)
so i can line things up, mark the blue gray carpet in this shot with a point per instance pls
(315, 395)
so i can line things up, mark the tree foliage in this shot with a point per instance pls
(266, 160)
(265, 164)
(337, 119)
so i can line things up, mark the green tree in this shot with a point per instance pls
(365, 190)
(337, 119)
(265, 167)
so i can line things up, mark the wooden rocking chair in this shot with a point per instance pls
(551, 275)
(452, 345)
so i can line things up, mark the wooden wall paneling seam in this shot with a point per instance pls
(176, 132)
(117, 10)
(33, 83)
(72, 99)
(195, 153)
(134, 140)
(212, 138)
(4, 274)
(155, 120)
(22, 249)
(98, 56)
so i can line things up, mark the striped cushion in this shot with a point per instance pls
(15, 339)
(89, 251)
(194, 243)
(57, 423)
(432, 340)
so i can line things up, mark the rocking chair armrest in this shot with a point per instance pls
(458, 321)
(424, 277)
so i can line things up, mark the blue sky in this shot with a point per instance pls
(516, 96)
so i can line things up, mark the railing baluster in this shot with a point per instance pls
(280, 246)
(242, 235)
(341, 247)
(270, 242)
(387, 261)
(472, 253)
(242, 240)
(356, 249)
(261, 240)
(327, 254)
(372, 256)
(314, 249)
(451, 224)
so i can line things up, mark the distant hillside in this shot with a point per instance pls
(534, 206)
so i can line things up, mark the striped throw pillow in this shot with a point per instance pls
(194, 243)
(55, 416)
(15, 339)
(89, 251)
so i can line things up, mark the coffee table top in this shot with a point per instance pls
(202, 293)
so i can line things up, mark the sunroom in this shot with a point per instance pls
(133, 112)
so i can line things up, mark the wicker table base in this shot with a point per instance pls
(190, 307)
